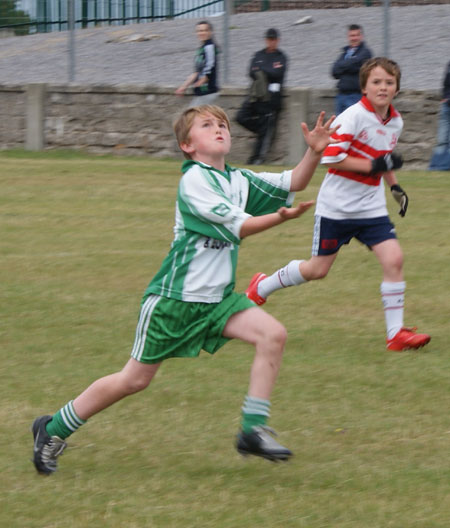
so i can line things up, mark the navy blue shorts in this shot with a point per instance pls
(330, 235)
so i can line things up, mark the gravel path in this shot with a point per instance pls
(419, 41)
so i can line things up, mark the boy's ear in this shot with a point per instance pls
(186, 147)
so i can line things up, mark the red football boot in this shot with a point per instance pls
(252, 290)
(407, 338)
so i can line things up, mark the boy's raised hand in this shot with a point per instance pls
(288, 213)
(320, 136)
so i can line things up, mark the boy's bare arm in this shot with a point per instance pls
(390, 178)
(257, 224)
(352, 164)
(317, 139)
(384, 164)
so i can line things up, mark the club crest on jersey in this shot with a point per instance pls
(363, 135)
(393, 142)
(222, 209)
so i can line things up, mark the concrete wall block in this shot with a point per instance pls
(12, 132)
(59, 98)
(93, 138)
(88, 98)
(128, 99)
(111, 138)
(137, 120)
(135, 140)
(413, 137)
(138, 112)
(12, 108)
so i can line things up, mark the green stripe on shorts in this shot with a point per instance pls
(171, 328)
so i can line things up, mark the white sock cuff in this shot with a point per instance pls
(254, 405)
(294, 272)
(393, 287)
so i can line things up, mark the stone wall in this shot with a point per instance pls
(137, 120)
(12, 116)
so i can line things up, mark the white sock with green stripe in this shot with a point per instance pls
(64, 422)
(255, 411)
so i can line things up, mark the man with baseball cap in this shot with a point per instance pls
(260, 110)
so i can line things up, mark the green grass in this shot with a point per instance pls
(81, 237)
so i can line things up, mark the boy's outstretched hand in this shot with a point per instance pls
(288, 213)
(320, 136)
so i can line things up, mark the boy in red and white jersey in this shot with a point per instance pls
(352, 204)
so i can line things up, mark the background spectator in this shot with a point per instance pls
(440, 159)
(347, 66)
(204, 78)
(259, 112)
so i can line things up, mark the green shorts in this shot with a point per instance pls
(171, 328)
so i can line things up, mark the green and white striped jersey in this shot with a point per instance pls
(210, 210)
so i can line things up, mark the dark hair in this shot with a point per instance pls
(355, 27)
(210, 26)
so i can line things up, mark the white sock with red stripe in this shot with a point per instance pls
(393, 297)
(289, 275)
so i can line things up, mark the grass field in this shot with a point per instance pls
(80, 239)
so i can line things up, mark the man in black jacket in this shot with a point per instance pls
(347, 66)
(260, 110)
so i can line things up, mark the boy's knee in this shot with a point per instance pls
(277, 335)
(135, 384)
(315, 268)
(398, 262)
(317, 273)
(395, 263)
(321, 274)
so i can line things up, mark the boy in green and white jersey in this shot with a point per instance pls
(190, 304)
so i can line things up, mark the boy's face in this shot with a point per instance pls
(380, 89)
(203, 32)
(209, 139)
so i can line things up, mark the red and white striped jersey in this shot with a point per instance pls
(362, 134)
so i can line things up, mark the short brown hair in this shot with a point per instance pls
(387, 64)
(206, 23)
(183, 124)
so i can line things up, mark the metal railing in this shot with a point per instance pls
(52, 15)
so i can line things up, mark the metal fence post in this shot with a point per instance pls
(170, 8)
(84, 13)
(71, 36)
(226, 40)
(386, 28)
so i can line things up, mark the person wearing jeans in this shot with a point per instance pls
(440, 160)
